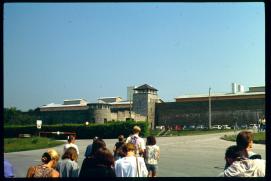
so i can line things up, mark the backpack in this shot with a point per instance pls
(135, 141)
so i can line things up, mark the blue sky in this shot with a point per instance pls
(63, 51)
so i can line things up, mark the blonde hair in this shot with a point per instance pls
(53, 154)
(136, 129)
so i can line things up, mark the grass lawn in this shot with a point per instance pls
(258, 137)
(23, 144)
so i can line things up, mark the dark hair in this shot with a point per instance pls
(234, 152)
(243, 139)
(104, 157)
(70, 153)
(70, 138)
(121, 138)
(46, 158)
(151, 140)
(97, 144)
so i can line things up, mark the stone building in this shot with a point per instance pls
(144, 99)
(237, 107)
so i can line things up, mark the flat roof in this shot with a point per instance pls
(220, 95)
(51, 105)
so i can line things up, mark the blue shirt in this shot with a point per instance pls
(88, 150)
(8, 169)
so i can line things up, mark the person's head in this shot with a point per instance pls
(233, 153)
(244, 140)
(136, 129)
(151, 140)
(103, 156)
(51, 156)
(128, 147)
(71, 138)
(121, 138)
(71, 154)
(95, 138)
(97, 144)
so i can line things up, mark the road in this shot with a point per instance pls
(183, 156)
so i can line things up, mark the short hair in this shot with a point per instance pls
(70, 153)
(151, 140)
(136, 129)
(128, 147)
(121, 138)
(104, 157)
(243, 139)
(234, 152)
(97, 144)
(51, 154)
(70, 138)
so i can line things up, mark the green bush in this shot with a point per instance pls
(108, 130)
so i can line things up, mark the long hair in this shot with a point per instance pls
(71, 154)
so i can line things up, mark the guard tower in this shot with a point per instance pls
(144, 99)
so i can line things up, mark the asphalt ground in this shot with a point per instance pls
(182, 156)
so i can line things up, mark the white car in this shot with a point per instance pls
(216, 127)
(253, 126)
(226, 126)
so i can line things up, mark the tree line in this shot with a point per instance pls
(14, 116)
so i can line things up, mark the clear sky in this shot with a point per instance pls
(63, 51)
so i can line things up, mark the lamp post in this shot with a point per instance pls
(210, 115)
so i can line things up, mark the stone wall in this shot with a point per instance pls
(223, 112)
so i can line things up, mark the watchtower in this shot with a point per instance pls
(144, 99)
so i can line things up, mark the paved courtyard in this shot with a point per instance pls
(184, 156)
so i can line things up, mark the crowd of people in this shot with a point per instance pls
(132, 157)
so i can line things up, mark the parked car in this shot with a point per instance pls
(191, 127)
(216, 127)
(243, 126)
(226, 126)
(200, 127)
(253, 126)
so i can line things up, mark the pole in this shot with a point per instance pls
(130, 107)
(210, 116)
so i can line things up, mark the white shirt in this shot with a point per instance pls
(68, 145)
(246, 168)
(126, 167)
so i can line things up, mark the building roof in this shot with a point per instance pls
(219, 95)
(76, 100)
(145, 87)
(51, 105)
(109, 97)
(121, 102)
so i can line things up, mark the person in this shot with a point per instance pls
(244, 141)
(137, 141)
(8, 169)
(103, 164)
(151, 155)
(71, 143)
(89, 162)
(130, 165)
(241, 166)
(47, 169)
(116, 149)
(89, 148)
(68, 166)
